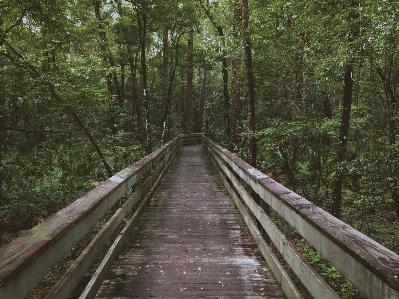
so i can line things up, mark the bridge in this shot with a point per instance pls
(194, 220)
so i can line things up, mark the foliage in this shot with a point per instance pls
(77, 83)
(342, 286)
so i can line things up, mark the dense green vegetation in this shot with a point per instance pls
(89, 87)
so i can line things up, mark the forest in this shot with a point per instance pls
(306, 91)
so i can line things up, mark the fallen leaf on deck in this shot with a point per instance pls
(265, 270)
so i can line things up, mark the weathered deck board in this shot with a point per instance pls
(191, 242)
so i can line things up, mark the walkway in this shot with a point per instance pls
(191, 242)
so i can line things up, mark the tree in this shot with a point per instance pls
(190, 76)
(250, 85)
(346, 113)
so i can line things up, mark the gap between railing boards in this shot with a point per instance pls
(369, 266)
(25, 261)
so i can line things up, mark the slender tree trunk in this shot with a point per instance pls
(108, 60)
(343, 140)
(2, 135)
(250, 85)
(190, 76)
(225, 74)
(136, 107)
(170, 88)
(123, 91)
(202, 101)
(297, 142)
(235, 84)
(252, 151)
(77, 118)
(92, 141)
(235, 102)
(142, 22)
(203, 92)
(2, 117)
(328, 112)
(393, 153)
(345, 120)
(390, 81)
(165, 80)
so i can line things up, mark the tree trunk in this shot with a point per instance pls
(111, 78)
(143, 39)
(2, 116)
(202, 102)
(328, 112)
(343, 140)
(77, 118)
(393, 153)
(136, 98)
(136, 107)
(170, 88)
(235, 84)
(250, 85)
(203, 93)
(345, 120)
(190, 76)
(225, 74)
(297, 142)
(165, 62)
(92, 141)
(390, 81)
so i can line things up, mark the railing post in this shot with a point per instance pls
(267, 209)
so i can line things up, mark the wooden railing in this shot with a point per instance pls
(369, 266)
(25, 261)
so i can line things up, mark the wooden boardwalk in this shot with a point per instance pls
(191, 242)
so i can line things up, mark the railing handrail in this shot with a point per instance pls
(368, 265)
(27, 259)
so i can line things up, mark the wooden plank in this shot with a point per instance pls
(65, 286)
(305, 272)
(113, 252)
(34, 253)
(190, 243)
(286, 283)
(372, 268)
